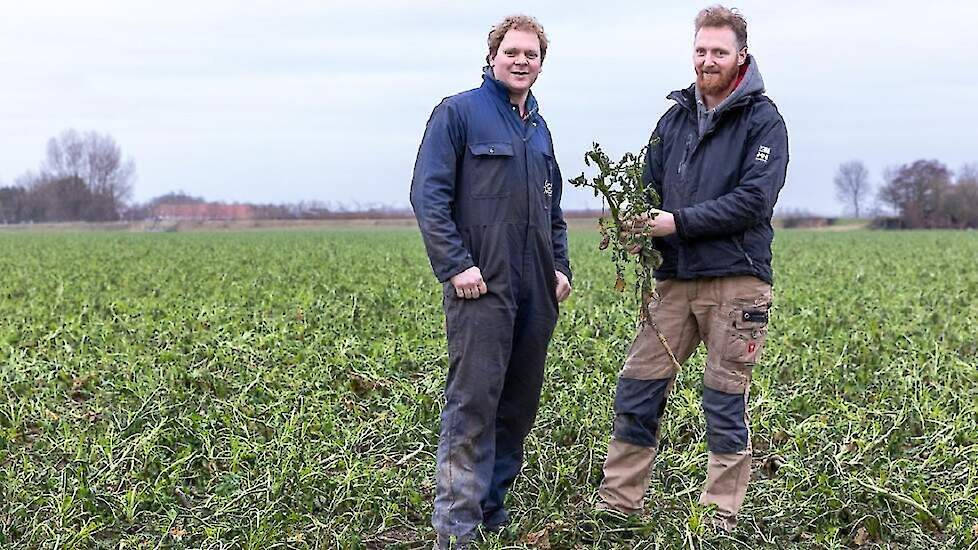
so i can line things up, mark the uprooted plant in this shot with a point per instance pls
(630, 203)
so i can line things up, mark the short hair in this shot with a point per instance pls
(719, 16)
(517, 22)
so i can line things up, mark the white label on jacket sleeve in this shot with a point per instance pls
(762, 153)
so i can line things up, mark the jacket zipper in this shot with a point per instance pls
(685, 160)
(740, 246)
(683, 193)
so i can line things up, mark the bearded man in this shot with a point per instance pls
(718, 159)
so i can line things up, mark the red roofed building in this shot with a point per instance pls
(204, 211)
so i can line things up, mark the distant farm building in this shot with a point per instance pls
(204, 211)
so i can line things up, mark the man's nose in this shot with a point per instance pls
(522, 59)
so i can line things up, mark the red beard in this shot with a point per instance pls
(717, 82)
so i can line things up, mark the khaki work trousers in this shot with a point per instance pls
(728, 314)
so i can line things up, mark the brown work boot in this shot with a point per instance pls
(722, 524)
(604, 509)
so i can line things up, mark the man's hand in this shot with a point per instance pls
(563, 286)
(469, 284)
(662, 224)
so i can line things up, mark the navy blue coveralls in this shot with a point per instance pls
(486, 192)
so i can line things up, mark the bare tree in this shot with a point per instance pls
(961, 202)
(852, 185)
(968, 173)
(917, 192)
(65, 155)
(12, 204)
(27, 180)
(94, 158)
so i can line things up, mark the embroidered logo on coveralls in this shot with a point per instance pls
(548, 188)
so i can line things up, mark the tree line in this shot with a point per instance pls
(83, 177)
(921, 194)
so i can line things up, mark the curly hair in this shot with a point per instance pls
(517, 22)
(719, 16)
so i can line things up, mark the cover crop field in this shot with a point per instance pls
(281, 389)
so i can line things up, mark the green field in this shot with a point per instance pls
(281, 389)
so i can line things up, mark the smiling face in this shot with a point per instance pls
(517, 62)
(717, 60)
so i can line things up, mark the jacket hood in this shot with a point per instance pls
(750, 84)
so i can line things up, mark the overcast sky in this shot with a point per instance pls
(286, 101)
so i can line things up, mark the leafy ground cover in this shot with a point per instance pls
(281, 390)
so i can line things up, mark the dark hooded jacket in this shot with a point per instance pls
(721, 184)
(486, 189)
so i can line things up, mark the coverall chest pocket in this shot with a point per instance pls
(492, 165)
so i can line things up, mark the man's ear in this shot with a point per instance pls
(742, 56)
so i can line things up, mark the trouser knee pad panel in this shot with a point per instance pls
(638, 409)
(726, 423)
